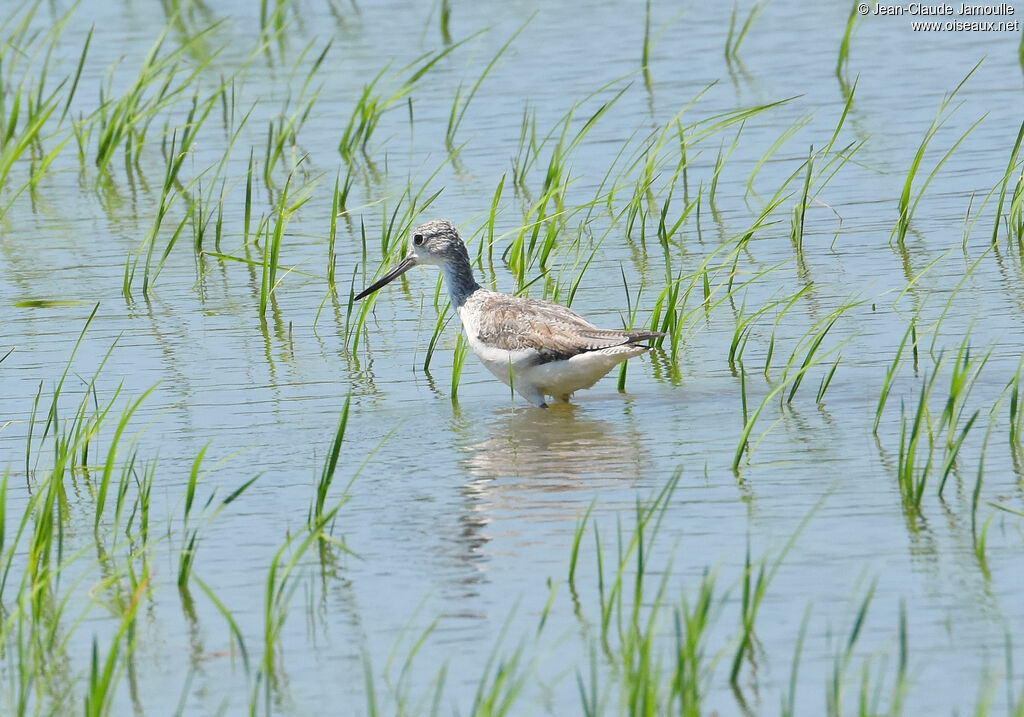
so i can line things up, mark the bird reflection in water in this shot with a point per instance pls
(534, 467)
(563, 449)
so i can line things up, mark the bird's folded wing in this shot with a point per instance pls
(553, 331)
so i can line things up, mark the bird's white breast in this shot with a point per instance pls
(504, 364)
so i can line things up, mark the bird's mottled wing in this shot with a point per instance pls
(556, 333)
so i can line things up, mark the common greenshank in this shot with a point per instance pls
(537, 347)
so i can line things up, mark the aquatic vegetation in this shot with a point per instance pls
(844, 47)
(906, 206)
(736, 35)
(125, 121)
(460, 105)
(1015, 217)
(370, 107)
(24, 122)
(284, 134)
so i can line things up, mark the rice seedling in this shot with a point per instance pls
(844, 46)
(648, 45)
(691, 628)
(39, 549)
(491, 218)
(906, 206)
(789, 703)
(52, 417)
(338, 201)
(279, 589)
(284, 134)
(912, 469)
(43, 558)
(445, 19)
(354, 330)
(583, 265)
(965, 373)
(817, 335)
(371, 106)
(735, 37)
(527, 151)
(272, 252)
(458, 360)
(522, 255)
(287, 203)
(273, 23)
(109, 464)
(20, 135)
(670, 314)
(1014, 218)
(649, 669)
(531, 144)
(400, 688)
(745, 322)
(796, 126)
(826, 380)
(443, 318)
(45, 537)
(645, 55)
(581, 525)
(949, 306)
(200, 220)
(395, 228)
(188, 550)
(720, 160)
(317, 513)
(237, 637)
(891, 373)
(502, 680)
(103, 673)
(247, 216)
(800, 210)
(460, 106)
(635, 632)
(1016, 405)
(649, 518)
(168, 197)
(835, 687)
(751, 601)
(125, 121)
(828, 160)
(980, 538)
(364, 120)
(632, 307)
(6, 557)
(792, 376)
(752, 594)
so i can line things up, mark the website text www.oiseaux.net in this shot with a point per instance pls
(965, 25)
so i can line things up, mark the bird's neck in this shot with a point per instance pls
(458, 277)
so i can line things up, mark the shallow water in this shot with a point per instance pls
(465, 509)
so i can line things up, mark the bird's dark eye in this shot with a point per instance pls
(418, 240)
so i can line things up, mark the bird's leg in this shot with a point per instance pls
(531, 394)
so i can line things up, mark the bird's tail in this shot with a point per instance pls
(635, 336)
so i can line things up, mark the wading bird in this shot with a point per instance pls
(537, 347)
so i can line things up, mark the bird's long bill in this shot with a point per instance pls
(395, 272)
